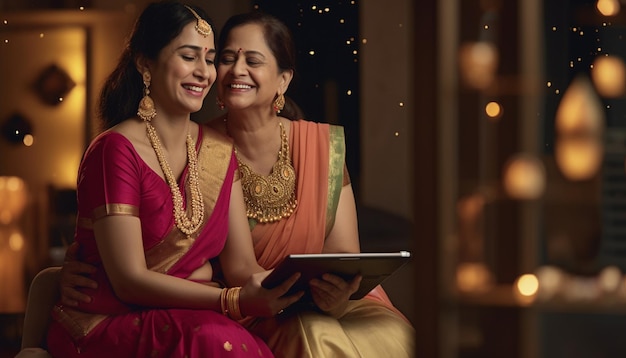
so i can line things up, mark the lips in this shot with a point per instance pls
(194, 88)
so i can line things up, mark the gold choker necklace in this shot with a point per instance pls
(186, 225)
(273, 197)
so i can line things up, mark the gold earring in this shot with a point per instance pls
(279, 103)
(146, 110)
(220, 103)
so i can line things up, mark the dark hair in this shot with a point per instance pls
(278, 39)
(157, 26)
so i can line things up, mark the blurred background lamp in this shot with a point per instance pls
(524, 177)
(578, 157)
(608, 76)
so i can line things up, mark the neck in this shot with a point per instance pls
(172, 132)
(254, 137)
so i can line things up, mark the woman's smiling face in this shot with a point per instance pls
(247, 71)
(184, 72)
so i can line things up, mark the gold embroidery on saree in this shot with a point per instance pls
(77, 323)
(336, 163)
(107, 210)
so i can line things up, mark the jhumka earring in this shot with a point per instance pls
(220, 103)
(146, 109)
(279, 103)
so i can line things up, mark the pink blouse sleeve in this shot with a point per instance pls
(109, 178)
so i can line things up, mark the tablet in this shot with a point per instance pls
(375, 267)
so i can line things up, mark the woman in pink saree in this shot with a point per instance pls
(158, 200)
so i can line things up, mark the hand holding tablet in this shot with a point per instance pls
(373, 267)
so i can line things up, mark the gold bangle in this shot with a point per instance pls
(234, 310)
(223, 305)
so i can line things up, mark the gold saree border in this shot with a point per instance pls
(107, 210)
(336, 164)
(77, 323)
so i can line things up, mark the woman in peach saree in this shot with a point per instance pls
(255, 66)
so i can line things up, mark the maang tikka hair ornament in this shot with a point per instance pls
(146, 109)
(202, 26)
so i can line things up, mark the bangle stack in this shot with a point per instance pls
(229, 302)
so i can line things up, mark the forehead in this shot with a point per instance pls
(249, 37)
(190, 37)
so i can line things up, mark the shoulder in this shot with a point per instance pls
(109, 148)
(109, 140)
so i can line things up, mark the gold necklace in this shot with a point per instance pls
(186, 225)
(273, 197)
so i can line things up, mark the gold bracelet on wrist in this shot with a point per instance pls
(232, 300)
(223, 304)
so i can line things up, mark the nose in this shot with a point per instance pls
(239, 67)
(202, 70)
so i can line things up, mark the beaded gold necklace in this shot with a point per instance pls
(273, 197)
(186, 225)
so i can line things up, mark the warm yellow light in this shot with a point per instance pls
(580, 110)
(478, 62)
(527, 285)
(12, 198)
(608, 76)
(16, 241)
(578, 158)
(28, 140)
(473, 277)
(493, 109)
(551, 280)
(610, 279)
(524, 177)
(608, 7)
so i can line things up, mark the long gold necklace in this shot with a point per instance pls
(273, 197)
(186, 225)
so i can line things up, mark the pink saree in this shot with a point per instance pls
(114, 180)
(370, 327)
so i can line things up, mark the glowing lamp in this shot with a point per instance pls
(580, 110)
(478, 62)
(608, 76)
(578, 158)
(13, 199)
(524, 177)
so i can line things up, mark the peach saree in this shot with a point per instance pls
(370, 327)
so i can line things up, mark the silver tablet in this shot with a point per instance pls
(374, 267)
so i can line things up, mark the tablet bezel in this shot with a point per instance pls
(375, 267)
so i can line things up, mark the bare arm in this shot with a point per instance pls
(237, 258)
(121, 249)
(344, 236)
(331, 293)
